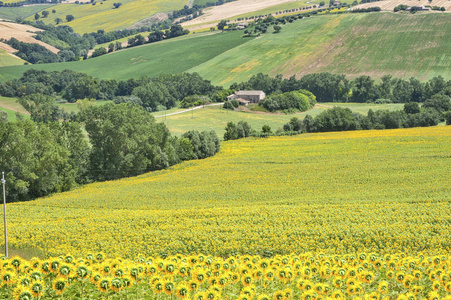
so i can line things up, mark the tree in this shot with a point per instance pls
(155, 36)
(231, 132)
(110, 47)
(34, 161)
(125, 140)
(70, 18)
(440, 103)
(45, 14)
(58, 21)
(36, 16)
(42, 108)
(448, 118)
(221, 25)
(98, 52)
(243, 129)
(3, 116)
(117, 5)
(411, 108)
(364, 89)
(266, 129)
(277, 28)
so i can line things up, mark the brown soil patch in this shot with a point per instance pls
(231, 9)
(150, 20)
(391, 4)
(23, 33)
(7, 48)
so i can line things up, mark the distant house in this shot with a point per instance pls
(246, 97)
(419, 8)
(242, 25)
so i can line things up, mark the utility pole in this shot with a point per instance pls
(4, 213)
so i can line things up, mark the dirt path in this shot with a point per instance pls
(187, 110)
(322, 106)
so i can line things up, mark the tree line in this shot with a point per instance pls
(40, 158)
(74, 46)
(329, 87)
(158, 93)
(343, 119)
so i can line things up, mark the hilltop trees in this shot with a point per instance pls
(221, 25)
(70, 18)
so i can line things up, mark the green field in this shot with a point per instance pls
(165, 57)
(354, 44)
(11, 13)
(73, 107)
(9, 60)
(102, 15)
(216, 118)
(11, 107)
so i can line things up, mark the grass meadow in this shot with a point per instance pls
(165, 57)
(11, 107)
(352, 44)
(216, 118)
(102, 15)
(9, 60)
(11, 13)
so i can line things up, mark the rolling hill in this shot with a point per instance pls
(170, 56)
(102, 15)
(353, 44)
(383, 191)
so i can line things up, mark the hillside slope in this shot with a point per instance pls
(7, 59)
(354, 44)
(166, 57)
(362, 191)
(102, 15)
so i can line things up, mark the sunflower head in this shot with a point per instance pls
(104, 284)
(37, 288)
(116, 284)
(59, 285)
(22, 293)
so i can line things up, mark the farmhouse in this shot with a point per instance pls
(242, 25)
(246, 97)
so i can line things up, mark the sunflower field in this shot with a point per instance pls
(201, 277)
(314, 216)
